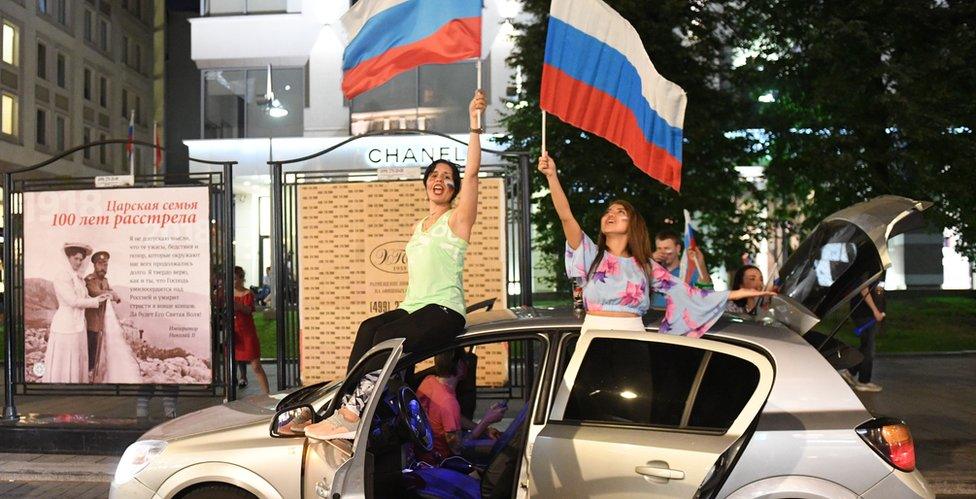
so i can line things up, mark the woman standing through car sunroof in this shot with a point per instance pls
(617, 272)
(433, 310)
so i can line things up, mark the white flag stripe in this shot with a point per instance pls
(355, 18)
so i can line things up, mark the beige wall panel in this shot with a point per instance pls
(352, 265)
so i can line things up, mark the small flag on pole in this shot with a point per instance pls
(598, 77)
(388, 37)
(130, 146)
(689, 272)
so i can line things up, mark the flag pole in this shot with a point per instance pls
(478, 86)
(132, 149)
(543, 131)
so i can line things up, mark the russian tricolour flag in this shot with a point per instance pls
(388, 37)
(598, 77)
(689, 271)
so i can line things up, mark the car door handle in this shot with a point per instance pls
(659, 472)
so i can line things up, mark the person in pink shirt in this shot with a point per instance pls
(438, 397)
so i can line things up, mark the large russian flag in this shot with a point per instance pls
(598, 77)
(388, 37)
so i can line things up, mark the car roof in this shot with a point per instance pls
(805, 382)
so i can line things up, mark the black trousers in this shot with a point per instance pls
(93, 340)
(429, 326)
(862, 371)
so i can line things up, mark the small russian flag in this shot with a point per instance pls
(388, 37)
(130, 147)
(689, 272)
(598, 77)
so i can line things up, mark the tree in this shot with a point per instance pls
(689, 44)
(871, 97)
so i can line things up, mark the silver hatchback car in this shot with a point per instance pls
(755, 408)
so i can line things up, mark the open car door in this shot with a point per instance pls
(653, 415)
(339, 468)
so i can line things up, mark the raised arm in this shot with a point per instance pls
(571, 228)
(466, 212)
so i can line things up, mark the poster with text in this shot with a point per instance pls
(117, 286)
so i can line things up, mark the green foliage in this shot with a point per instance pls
(872, 97)
(688, 44)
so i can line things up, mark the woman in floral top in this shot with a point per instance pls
(617, 273)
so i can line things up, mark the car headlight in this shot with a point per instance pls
(136, 457)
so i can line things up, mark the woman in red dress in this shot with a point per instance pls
(247, 348)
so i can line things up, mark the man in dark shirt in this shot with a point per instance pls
(867, 313)
(97, 285)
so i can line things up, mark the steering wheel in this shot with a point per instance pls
(413, 420)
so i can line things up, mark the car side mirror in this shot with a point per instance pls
(291, 422)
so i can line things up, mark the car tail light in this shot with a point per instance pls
(892, 439)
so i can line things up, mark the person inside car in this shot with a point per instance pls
(437, 395)
(618, 273)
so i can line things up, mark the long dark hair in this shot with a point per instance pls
(740, 275)
(638, 241)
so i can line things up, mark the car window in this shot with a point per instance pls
(641, 383)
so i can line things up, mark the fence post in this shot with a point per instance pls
(9, 409)
(525, 235)
(281, 276)
(227, 214)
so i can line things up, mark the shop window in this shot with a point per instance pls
(235, 104)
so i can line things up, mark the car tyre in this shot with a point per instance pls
(217, 491)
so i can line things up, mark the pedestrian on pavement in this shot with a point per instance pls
(617, 272)
(868, 315)
(247, 347)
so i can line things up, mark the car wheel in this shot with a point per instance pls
(217, 491)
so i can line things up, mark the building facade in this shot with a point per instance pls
(71, 72)
(234, 43)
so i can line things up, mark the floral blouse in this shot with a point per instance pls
(619, 285)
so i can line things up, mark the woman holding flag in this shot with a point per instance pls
(433, 310)
(617, 272)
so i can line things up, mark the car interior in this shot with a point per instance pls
(401, 437)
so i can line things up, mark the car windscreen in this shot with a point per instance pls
(830, 265)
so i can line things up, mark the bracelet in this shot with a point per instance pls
(477, 130)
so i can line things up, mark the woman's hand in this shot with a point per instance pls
(748, 293)
(104, 297)
(547, 165)
(476, 107)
